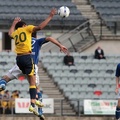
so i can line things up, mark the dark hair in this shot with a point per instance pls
(20, 24)
(34, 34)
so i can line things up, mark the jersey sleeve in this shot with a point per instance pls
(30, 28)
(42, 41)
(13, 34)
(117, 74)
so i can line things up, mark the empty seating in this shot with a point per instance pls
(38, 10)
(107, 9)
(94, 79)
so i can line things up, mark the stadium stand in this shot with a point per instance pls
(108, 10)
(94, 79)
(36, 11)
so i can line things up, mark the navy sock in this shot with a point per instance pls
(32, 104)
(3, 84)
(117, 113)
(2, 81)
(40, 98)
(33, 92)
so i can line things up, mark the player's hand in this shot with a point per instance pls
(64, 49)
(116, 90)
(53, 12)
(16, 20)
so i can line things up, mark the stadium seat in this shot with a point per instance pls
(90, 89)
(77, 80)
(82, 95)
(73, 95)
(67, 88)
(62, 87)
(112, 96)
(98, 93)
(75, 88)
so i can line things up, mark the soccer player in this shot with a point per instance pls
(36, 46)
(15, 72)
(22, 33)
(117, 74)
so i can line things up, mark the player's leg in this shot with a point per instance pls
(32, 91)
(39, 94)
(37, 82)
(3, 82)
(117, 113)
(13, 73)
(40, 111)
(26, 65)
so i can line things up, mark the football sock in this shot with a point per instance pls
(40, 98)
(3, 84)
(117, 113)
(32, 104)
(33, 92)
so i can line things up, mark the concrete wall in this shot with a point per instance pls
(109, 47)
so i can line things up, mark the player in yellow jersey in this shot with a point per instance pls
(22, 33)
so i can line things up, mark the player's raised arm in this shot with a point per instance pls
(12, 28)
(62, 47)
(46, 21)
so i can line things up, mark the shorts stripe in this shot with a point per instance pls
(32, 86)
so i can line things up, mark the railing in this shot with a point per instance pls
(112, 25)
(10, 109)
(74, 36)
(68, 34)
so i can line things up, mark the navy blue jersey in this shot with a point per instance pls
(36, 46)
(118, 71)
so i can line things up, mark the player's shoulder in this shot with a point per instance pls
(38, 39)
(41, 39)
(33, 38)
(29, 27)
(118, 65)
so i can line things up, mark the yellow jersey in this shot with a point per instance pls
(22, 37)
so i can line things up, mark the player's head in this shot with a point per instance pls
(20, 24)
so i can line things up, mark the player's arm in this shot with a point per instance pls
(117, 74)
(12, 28)
(117, 84)
(62, 48)
(47, 20)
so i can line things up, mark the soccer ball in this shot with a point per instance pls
(64, 11)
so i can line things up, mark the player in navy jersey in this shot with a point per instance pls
(15, 72)
(117, 90)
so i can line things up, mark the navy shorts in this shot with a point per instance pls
(25, 64)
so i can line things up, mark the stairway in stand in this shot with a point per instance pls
(89, 12)
(49, 88)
